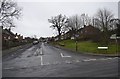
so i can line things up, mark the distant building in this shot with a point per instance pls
(28, 39)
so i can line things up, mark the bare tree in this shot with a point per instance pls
(58, 22)
(86, 20)
(115, 24)
(8, 11)
(102, 20)
(74, 24)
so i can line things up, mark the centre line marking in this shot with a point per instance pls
(40, 51)
(41, 60)
(64, 56)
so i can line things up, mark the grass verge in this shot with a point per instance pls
(87, 46)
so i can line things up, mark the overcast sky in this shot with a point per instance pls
(35, 15)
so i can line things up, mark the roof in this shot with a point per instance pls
(8, 32)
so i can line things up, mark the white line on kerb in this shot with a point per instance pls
(64, 56)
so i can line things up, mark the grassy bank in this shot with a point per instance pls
(86, 46)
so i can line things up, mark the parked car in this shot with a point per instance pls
(35, 42)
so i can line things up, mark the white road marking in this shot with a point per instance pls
(9, 68)
(47, 63)
(86, 60)
(115, 57)
(41, 60)
(30, 48)
(35, 52)
(68, 62)
(109, 58)
(103, 59)
(63, 55)
(92, 59)
(77, 61)
(89, 59)
(40, 51)
(98, 59)
(55, 62)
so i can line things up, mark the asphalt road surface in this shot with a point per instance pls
(44, 60)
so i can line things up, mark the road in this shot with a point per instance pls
(44, 60)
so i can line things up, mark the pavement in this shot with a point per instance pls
(44, 60)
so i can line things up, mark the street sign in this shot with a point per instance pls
(118, 37)
(114, 36)
(76, 35)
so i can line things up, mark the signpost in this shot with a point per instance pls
(76, 36)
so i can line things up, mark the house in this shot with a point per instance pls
(9, 39)
(28, 39)
(7, 35)
(67, 35)
(89, 33)
(18, 37)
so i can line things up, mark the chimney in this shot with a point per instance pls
(84, 25)
(2, 27)
(16, 34)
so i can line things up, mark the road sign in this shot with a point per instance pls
(114, 36)
(76, 35)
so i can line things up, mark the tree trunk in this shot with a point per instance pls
(59, 32)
